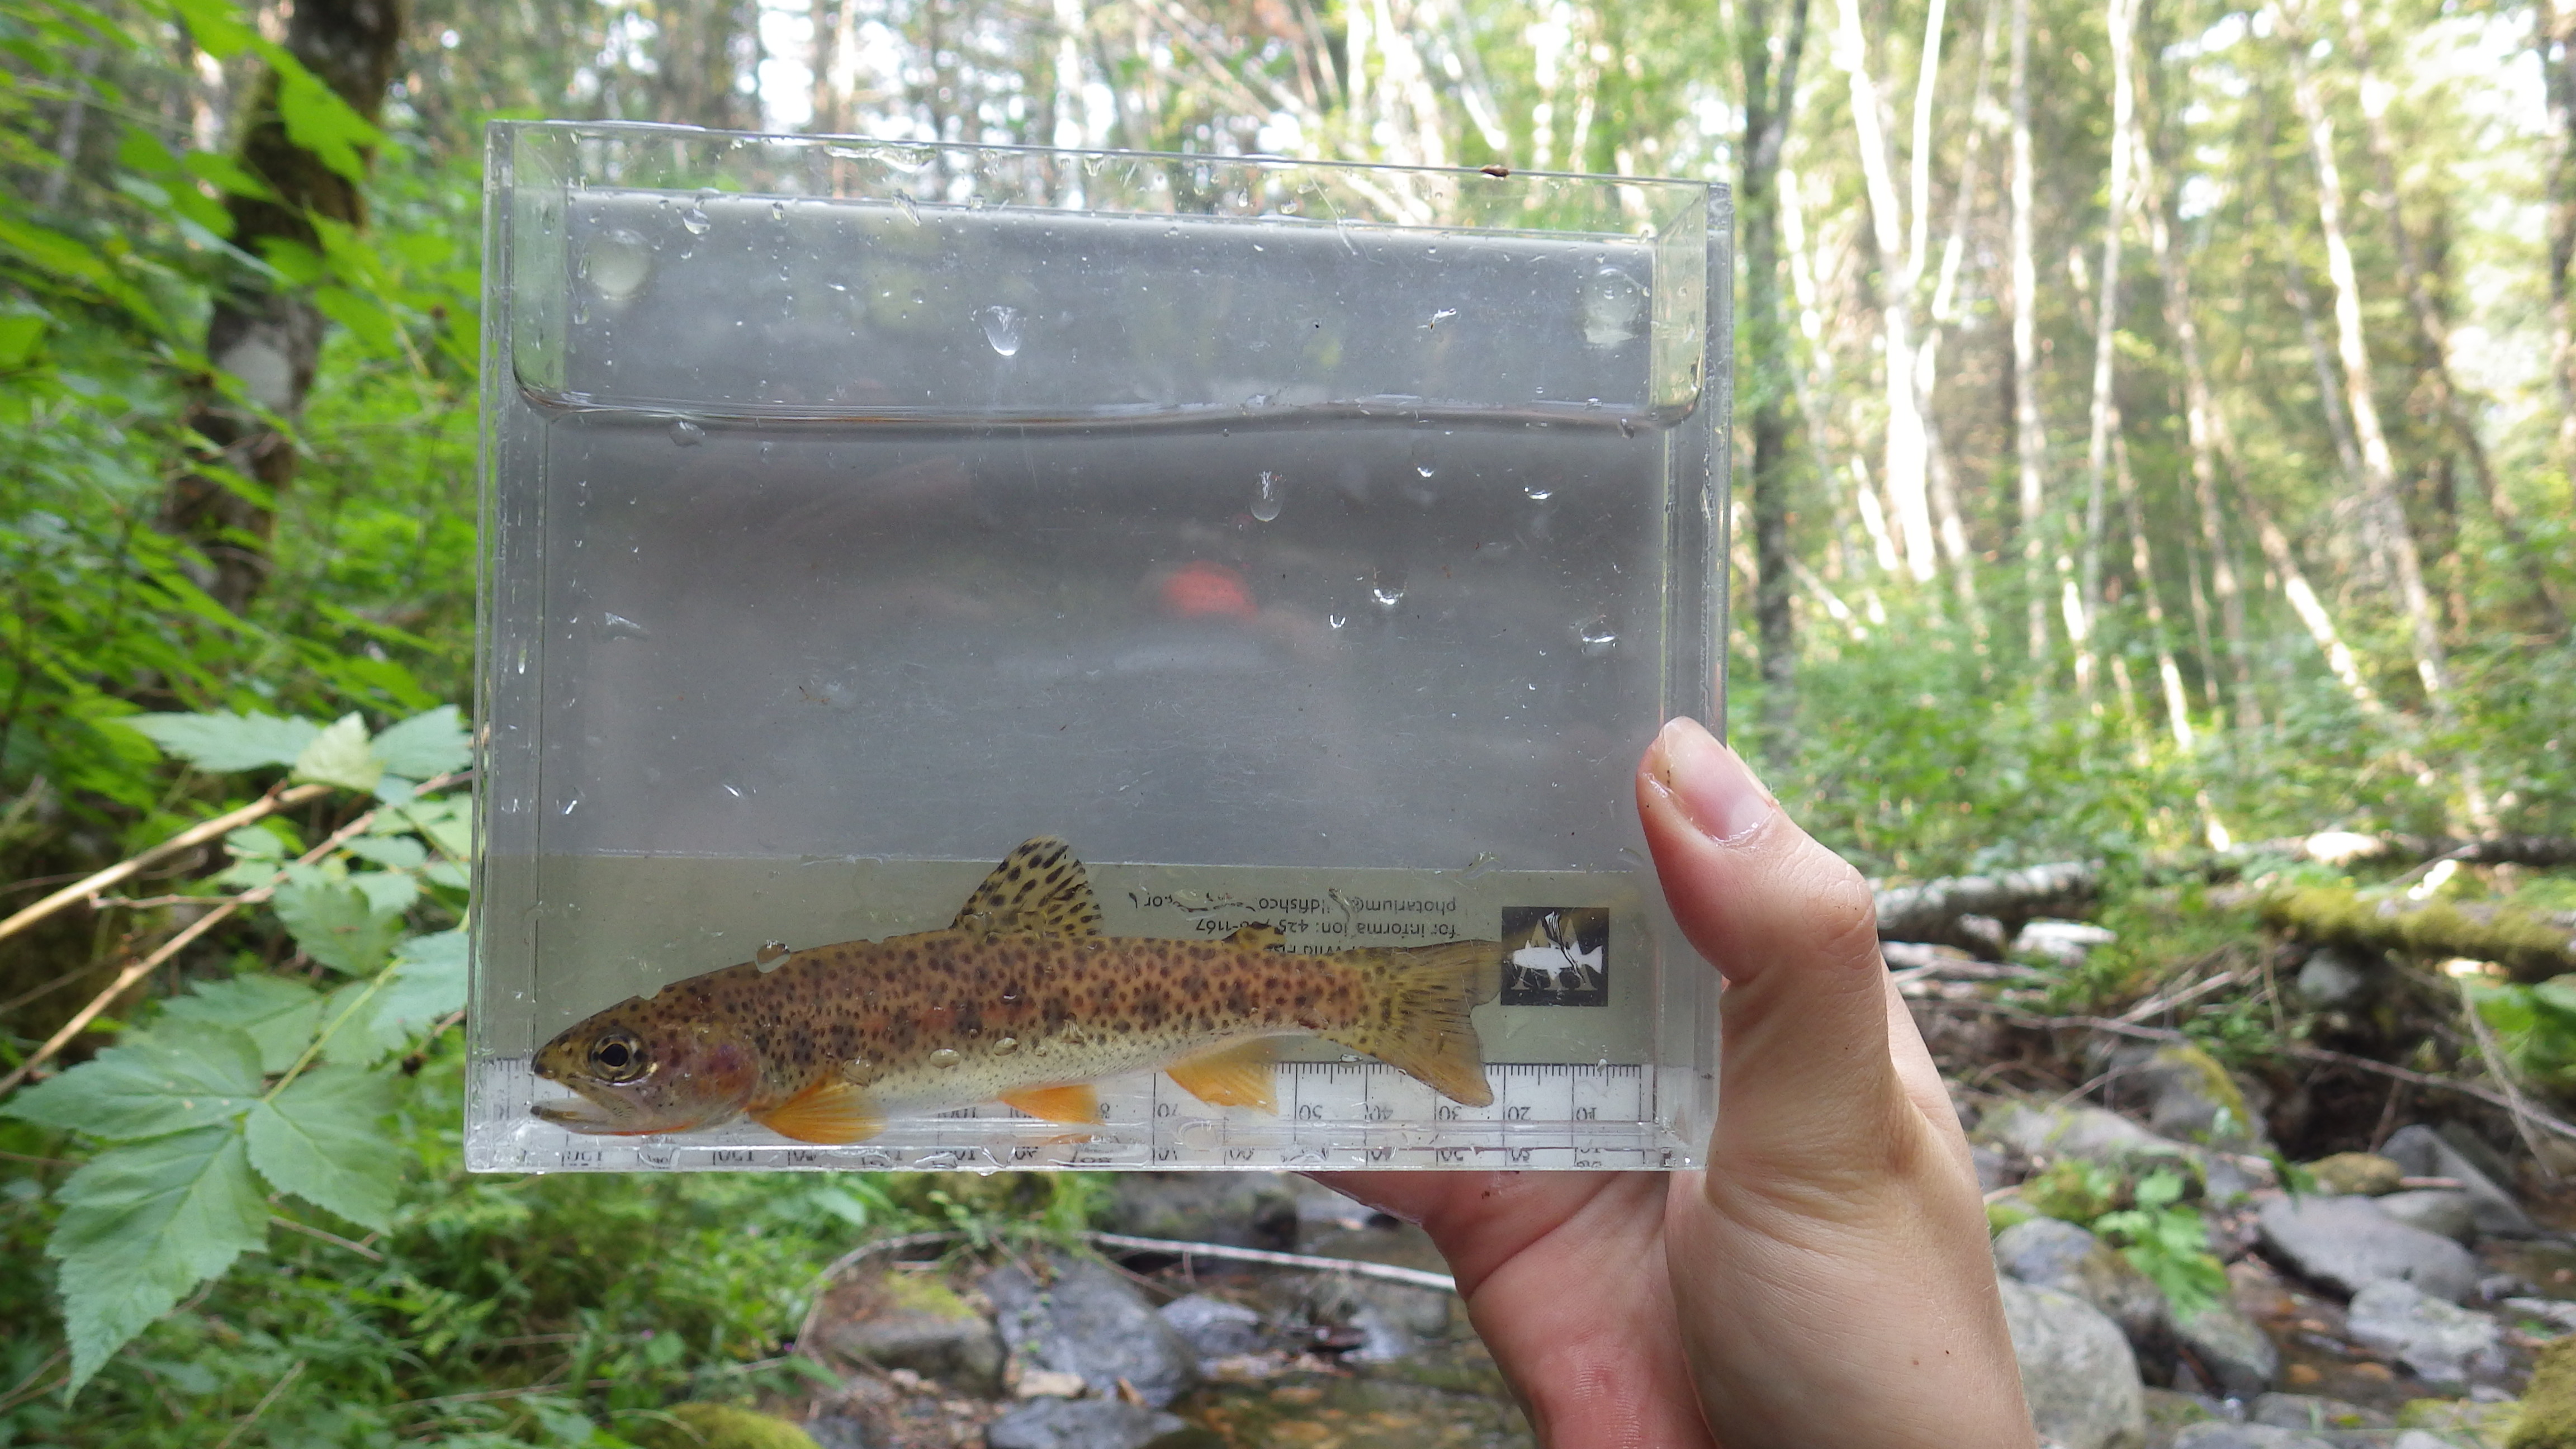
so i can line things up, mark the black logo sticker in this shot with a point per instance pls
(1556, 956)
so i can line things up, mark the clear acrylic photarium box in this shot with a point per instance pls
(1311, 549)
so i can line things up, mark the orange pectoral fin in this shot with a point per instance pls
(1232, 1076)
(1079, 1102)
(826, 1113)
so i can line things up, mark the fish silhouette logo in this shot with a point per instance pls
(1556, 956)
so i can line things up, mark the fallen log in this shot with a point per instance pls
(2528, 945)
(1935, 910)
(2346, 847)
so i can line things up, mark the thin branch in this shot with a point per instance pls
(266, 1399)
(180, 942)
(2492, 1057)
(194, 835)
(334, 1239)
(1386, 1273)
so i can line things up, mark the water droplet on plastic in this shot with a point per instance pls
(1631, 856)
(1482, 866)
(730, 790)
(687, 434)
(1614, 307)
(656, 1153)
(618, 626)
(1538, 492)
(1388, 596)
(1001, 328)
(1004, 1046)
(696, 220)
(1419, 455)
(1627, 427)
(778, 211)
(770, 953)
(1338, 621)
(1598, 637)
(571, 805)
(945, 1057)
(1039, 1047)
(619, 262)
(909, 211)
(1443, 315)
(1266, 499)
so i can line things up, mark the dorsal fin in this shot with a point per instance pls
(1038, 888)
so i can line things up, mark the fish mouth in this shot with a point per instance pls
(578, 1115)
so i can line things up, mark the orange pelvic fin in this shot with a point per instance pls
(1079, 1102)
(1232, 1076)
(1259, 937)
(827, 1112)
(1039, 888)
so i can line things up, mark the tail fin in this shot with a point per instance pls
(1416, 1017)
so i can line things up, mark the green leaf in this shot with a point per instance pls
(142, 1226)
(279, 1015)
(226, 175)
(365, 318)
(336, 924)
(195, 1075)
(2558, 993)
(354, 1031)
(433, 743)
(251, 842)
(320, 122)
(2158, 1188)
(388, 892)
(216, 26)
(19, 334)
(394, 852)
(427, 983)
(339, 755)
(448, 823)
(321, 1140)
(226, 741)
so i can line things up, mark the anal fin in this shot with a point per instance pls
(827, 1113)
(1238, 1075)
(1079, 1102)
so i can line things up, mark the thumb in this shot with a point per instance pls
(1806, 1086)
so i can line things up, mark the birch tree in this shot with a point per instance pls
(1768, 103)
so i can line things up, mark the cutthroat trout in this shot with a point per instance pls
(1022, 1000)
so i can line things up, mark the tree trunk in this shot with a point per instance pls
(2556, 42)
(2378, 466)
(2121, 21)
(2142, 562)
(1955, 547)
(267, 334)
(2433, 330)
(1768, 105)
(1907, 486)
(2030, 441)
(2201, 424)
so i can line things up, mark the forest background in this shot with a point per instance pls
(2156, 422)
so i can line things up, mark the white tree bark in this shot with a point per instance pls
(1904, 462)
(2030, 441)
(2121, 19)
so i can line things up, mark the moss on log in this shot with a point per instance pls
(2529, 946)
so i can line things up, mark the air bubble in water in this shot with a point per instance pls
(1004, 1046)
(770, 953)
(1001, 328)
(1598, 637)
(1419, 455)
(1614, 307)
(618, 626)
(696, 220)
(617, 263)
(778, 211)
(908, 209)
(1267, 498)
(1388, 594)
(687, 434)
(1483, 865)
(1338, 621)
(1538, 493)
(945, 1057)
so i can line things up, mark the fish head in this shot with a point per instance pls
(640, 1070)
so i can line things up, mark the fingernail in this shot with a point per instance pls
(1716, 790)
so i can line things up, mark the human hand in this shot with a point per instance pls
(1827, 1281)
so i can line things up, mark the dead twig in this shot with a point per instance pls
(2308, 1053)
(197, 834)
(2492, 1057)
(2152, 1005)
(1383, 1272)
(266, 1399)
(186, 937)
(334, 1239)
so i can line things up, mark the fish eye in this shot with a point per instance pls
(618, 1057)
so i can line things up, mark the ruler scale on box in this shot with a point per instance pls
(1353, 1114)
